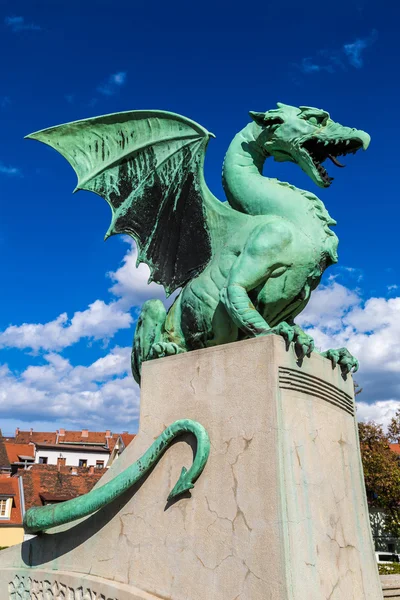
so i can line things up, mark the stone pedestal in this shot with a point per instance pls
(279, 512)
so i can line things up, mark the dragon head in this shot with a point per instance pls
(307, 136)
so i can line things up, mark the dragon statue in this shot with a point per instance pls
(246, 267)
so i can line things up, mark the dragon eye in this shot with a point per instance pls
(317, 120)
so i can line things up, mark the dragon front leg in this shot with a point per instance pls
(342, 357)
(265, 253)
(304, 343)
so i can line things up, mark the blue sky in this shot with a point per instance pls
(69, 301)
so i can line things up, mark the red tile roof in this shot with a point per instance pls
(106, 438)
(127, 438)
(43, 437)
(92, 437)
(45, 497)
(14, 451)
(111, 443)
(9, 487)
(395, 448)
(4, 460)
(43, 481)
(75, 447)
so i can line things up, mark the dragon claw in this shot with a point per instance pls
(342, 357)
(304, 344)
(162, 349)
(285, 330)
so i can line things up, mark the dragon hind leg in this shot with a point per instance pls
(150, 340)
(149, 331)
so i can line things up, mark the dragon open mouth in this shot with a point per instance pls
(319, 150)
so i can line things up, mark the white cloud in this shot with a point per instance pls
(381, 412)
(18, 24)
(328, 305)
(308, 65)
(337, 317)
(100, 321)
(112, 84)
(102, 395)
(331, 61)
(370, 330)
(130, 282)
(12, 171)
(355, 49)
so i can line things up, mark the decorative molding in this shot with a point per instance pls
(29, 588)
(299, 381)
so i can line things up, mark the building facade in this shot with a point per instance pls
(11, 513)
(38, 468)
(82, 448)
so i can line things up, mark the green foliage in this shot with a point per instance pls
(382, 474)
(394, 428)
(390, 569)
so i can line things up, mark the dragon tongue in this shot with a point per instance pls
(335, 161)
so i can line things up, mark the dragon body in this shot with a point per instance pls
(246, 267)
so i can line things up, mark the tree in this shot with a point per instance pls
(394, 428)
(382, 474)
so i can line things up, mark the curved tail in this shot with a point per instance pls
(45, 517)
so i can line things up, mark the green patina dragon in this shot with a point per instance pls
(247, 266)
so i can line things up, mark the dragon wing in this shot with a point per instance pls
(148, 165)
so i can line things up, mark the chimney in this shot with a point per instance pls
(31, 431)
(62, 432)
(16, 431)
(74, 471)
(91, 470)
(85, 433)
(108, 433)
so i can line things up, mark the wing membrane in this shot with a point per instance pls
(148, 165)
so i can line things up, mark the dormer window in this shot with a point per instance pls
(5, 508)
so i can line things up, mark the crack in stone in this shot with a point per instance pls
(345, 547)
(191, 385)
(333, 589)
(217, 516)
(215, 566)
(239, 511)
(298, 456)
